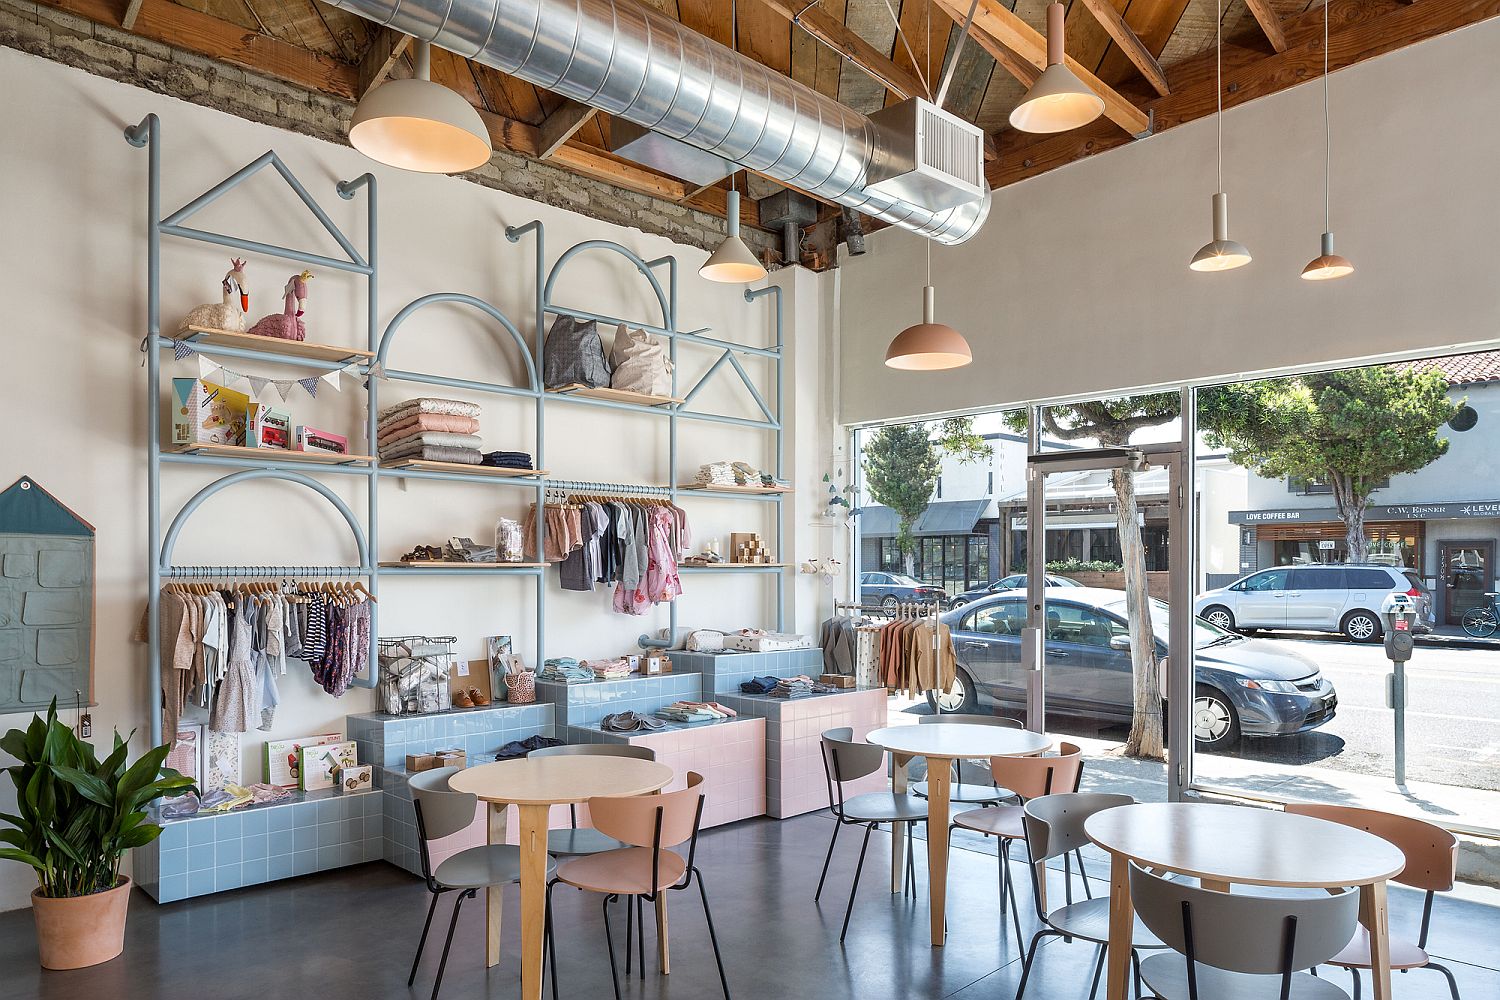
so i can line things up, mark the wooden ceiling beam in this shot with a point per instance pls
(1265, 15)
(836, 35)
(1000, 23)
(386, 49)
(172, 24)
(1125, 37)
(561, 125)
(1361, 30)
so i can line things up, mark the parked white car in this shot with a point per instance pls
(1322, 598)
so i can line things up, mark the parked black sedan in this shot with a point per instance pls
(1016, 581)
(890, 589)
(1245, 687)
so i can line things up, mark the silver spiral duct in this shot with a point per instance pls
(636, 63)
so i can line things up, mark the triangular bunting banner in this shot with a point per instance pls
(310, 385)
(257, 384)
(206, 368)
(334, 379)
(181, 351)
(283, 386)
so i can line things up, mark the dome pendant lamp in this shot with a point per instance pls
(1223, 253)
(1058, 101)
(1328, 265)
(419, 125)
(930, 345)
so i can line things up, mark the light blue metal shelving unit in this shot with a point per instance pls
(147, 134)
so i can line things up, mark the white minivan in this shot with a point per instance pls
(1346, 598)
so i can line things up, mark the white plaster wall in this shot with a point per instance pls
(74, 284)
(1079, 283)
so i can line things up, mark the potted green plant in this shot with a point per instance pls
(76, 818)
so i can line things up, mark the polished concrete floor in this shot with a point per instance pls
(351, 935)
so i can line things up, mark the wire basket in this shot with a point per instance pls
(414, 671)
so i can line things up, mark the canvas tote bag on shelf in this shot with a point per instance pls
(641, 363)
(574, 355)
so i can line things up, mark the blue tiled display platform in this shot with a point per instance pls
(385, 740)
(585, 704)
(309, 832)
(724, 672)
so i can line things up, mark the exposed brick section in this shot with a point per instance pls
(141, 62)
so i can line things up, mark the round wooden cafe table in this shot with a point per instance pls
(942, 745)
(534, 786)
(1224, 844)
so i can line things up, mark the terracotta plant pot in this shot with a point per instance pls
(78, 931)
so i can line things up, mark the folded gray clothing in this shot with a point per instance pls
(434, 453)
(428, 404)
(628, 722)
(447, 439)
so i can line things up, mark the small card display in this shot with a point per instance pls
(282, 763)
(318, 764)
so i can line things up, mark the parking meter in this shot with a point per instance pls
(1400, 615)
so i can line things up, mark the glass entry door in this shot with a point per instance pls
(1468, 573)
(1096, 648)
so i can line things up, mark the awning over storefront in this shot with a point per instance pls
(1453, 509)
(945, 517)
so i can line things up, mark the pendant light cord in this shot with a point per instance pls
(1327, 131)
(734, 43)
(1219, 93)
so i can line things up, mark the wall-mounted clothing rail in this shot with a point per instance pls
(160, 544)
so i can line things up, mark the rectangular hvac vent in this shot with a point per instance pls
(926, 156)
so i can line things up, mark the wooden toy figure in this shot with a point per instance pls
(229, 314)
(287, 325)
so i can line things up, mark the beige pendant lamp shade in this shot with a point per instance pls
(1223, 253)
(1058, 101)
(732, 263)
(1328, 265)
(419, 125)
(930, 345)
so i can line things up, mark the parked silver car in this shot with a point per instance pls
(1323, 598)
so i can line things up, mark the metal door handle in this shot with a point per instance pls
(1057, 655)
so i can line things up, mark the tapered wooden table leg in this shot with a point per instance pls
(1372, 913)
(898, 830)
(939, 774)
(1121, 927)
(533, 896)
(492, 897)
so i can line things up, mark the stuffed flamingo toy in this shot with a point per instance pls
(229, 314)
(287, 325)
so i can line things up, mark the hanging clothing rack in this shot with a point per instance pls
(263, 572)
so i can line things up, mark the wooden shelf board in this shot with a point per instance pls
(446, 564)
(269, 454)
(302, 350)
(422, 465)
(732, 565)
(756, 490)
(616, 395)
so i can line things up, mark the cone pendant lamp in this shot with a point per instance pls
(733, 262)
(929, 345)
(1221, 253)
(1058, 101)
(419, 125)
(1327, 265)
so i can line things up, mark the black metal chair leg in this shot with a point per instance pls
(1010, 884)
(422, 941)
(713, 938)
(1098, 970)
(1068, 878)
(640, 938)
(448, 944)
(551, 941)
(1135, 966)
(1083, 874)
(910, 886)
(854, 889)
(1448, 975)
(629, 932)
(1355, 974)
(609, 943)
(1036, 939)
(837, 826)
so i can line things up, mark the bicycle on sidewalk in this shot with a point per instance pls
(1483, 621)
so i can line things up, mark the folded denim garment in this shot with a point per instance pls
(760, 685)
(520, 748)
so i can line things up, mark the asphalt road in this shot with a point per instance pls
(1452, 716)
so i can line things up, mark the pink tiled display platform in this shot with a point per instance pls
(730, 755)
(795, 782)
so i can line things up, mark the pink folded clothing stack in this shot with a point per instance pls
(430, 430)
(608, 670)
